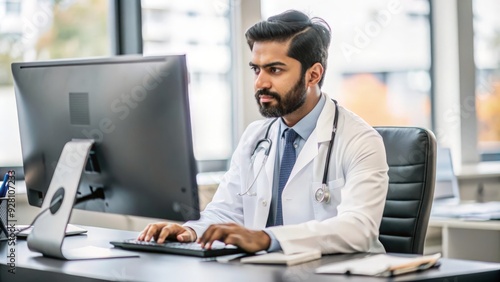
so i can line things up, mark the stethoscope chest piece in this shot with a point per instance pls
(322, 195)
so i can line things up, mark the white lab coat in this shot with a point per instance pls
(357, 181)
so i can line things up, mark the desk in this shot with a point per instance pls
(473, 240)
(478, 171)
(157, 267)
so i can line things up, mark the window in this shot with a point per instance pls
(44, 30)
(201, 30)
(487, 59)
(379, 58)
(13, 7)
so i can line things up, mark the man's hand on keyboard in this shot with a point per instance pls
(161, 231)
(234, 234)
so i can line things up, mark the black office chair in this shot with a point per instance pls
(411, 156)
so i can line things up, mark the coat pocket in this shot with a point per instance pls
(324, 210)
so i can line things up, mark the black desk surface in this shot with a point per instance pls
(32, 266)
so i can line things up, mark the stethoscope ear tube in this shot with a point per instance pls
(268, 149)
(269, 142)
(322, 194)
(247, 191)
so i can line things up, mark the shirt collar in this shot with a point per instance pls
(306, 125)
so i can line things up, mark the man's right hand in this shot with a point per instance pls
(163, 230)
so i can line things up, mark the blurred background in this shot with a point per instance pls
(426, 63)
(383, 65)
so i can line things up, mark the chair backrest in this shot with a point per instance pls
(411, 156)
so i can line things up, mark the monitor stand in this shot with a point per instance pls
(49, 229)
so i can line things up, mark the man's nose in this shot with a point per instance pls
(262, 81)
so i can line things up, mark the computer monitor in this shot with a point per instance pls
(446, 189)
(136, 111)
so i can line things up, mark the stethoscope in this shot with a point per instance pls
(322, 194)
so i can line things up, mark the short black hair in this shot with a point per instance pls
(310, 37)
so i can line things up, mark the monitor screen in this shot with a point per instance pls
(137, 112)
(446, 180)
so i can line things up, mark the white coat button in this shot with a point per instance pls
(264, 203)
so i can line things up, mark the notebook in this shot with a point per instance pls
(384, 265)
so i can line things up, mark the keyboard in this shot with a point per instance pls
(188, 249)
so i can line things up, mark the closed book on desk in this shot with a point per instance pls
(381, 265)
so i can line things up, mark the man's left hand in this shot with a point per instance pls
(230, 233)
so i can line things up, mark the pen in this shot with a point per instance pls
(5, 185)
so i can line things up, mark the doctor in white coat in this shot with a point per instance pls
(289, 53)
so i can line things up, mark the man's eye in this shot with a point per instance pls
(256, 70)
(275, 70)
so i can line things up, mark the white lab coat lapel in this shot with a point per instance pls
(256, 212)
(308, 152)
(321, 133)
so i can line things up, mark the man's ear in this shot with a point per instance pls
(314, 74)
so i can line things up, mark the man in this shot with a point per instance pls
(278, 204)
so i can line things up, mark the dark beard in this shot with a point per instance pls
(286, 104)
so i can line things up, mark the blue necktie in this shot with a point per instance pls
(286, 166)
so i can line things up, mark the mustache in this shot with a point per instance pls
(268, 93)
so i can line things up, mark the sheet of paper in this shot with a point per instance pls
(280, 258)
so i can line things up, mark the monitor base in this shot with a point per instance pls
(49, 229)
